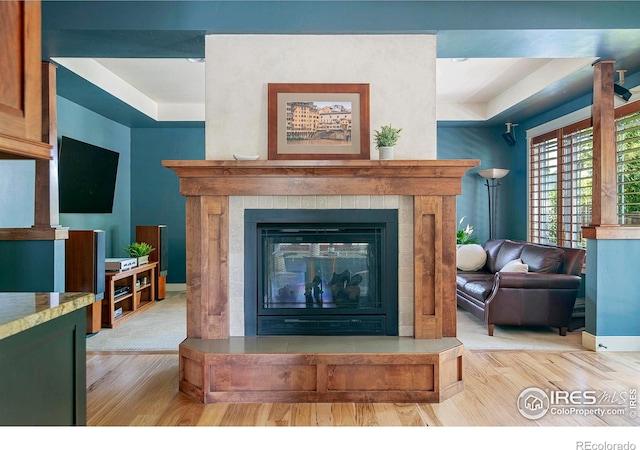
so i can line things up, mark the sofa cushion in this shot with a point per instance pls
(492, 247)
(463, 278)
(480, 288)
(475, 284)
(542, 258)
(509, 251)
(516, 266)
(470, 257)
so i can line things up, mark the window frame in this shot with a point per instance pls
(559, 134)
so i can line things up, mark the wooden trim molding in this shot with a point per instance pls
(611, 232)
(12, 147)
(34, 234)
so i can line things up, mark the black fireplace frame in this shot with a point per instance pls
(386, 219)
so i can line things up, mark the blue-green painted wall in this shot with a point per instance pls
(17, 180)
(612, 295)
(485, 144)
(32, 266)
(84, 125)
(39, 265)
(156, 198)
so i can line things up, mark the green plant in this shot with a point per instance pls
(386, 136)
(138, 249)
(465, 235)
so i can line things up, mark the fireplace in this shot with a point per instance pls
(321, 272)
(217, 367)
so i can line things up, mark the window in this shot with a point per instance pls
(561, 177)
(628, 152)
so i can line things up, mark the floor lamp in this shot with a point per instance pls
(492, 181)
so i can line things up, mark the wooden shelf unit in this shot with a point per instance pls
(137, 299)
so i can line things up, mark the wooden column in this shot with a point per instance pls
(46, 188)
(605, 200)
(207, 242)
(434, 267)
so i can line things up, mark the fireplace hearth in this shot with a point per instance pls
(321, 272)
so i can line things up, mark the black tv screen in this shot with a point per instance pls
(86, 177)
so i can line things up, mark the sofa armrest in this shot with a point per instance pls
(532, 280)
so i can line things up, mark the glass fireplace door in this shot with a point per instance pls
(320, 280)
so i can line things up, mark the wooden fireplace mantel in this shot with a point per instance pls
(395, 177)
(215, 367)
(434, 185)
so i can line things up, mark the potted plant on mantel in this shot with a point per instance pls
(139, 250)
(386, 138)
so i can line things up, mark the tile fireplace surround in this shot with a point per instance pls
(207, 186)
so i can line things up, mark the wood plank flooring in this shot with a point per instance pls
(141, 389)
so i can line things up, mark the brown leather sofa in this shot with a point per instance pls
(543, 296)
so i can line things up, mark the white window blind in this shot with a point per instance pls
(543, 187)
(628, 157)
(561, 179)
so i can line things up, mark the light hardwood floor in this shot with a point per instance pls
(141, 389)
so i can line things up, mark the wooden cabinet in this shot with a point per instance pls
(43, 375)
(138, 293)
(21, 86)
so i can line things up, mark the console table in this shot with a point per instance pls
(141, 293)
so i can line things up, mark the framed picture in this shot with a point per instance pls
(318, 121)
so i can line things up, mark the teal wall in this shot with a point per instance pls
(485, 144)
(39, 265)
(151, 196)
(17, 181)
(84, 125)
(32, 266)
(156, 198)
(27, 265)
(612, 299)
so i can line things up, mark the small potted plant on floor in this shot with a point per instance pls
(139, 250)
(386, 138)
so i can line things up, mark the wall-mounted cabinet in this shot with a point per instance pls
(20, 72)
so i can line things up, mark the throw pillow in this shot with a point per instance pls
(509, 251)
(515, 266)
(470, 257)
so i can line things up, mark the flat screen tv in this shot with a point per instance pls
(86, 177)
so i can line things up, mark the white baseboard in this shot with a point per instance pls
(610, 343)
(173, 287)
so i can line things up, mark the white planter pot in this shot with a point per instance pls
(386, 152)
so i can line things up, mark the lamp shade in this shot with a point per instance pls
(493, 173)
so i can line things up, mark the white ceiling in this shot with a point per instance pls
(168, 89)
